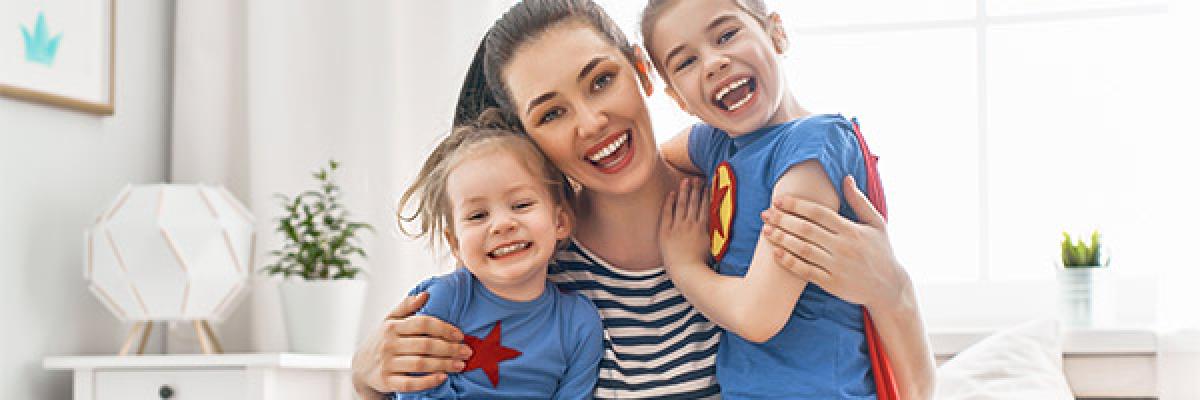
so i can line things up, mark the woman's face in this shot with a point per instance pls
(579, 100)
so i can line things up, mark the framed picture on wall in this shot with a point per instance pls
(59, 52)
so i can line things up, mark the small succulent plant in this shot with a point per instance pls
(1080, 254)
(319, 241)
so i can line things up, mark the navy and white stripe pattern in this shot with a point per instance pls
(656, 345)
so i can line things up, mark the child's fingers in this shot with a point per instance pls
(681, 202)
(697, 199)
(667, 219)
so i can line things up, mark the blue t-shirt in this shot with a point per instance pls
(558, 335)
(821, 352)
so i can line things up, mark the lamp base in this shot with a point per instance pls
(140, 334)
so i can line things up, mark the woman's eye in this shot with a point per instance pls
(523, 205)
(550, 116)
(475, 216)
(602, 81)
(685, 63)
(727, 36)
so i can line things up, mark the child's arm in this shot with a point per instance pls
(758, 305)
(583, 364)
(675, 152)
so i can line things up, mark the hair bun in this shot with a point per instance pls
(492, 118)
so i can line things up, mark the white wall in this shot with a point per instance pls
(268, 90)
(58, 168)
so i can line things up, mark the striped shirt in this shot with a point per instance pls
(656, 345)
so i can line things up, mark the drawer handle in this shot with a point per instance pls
(165, 392)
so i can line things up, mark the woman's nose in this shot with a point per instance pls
(592, 121)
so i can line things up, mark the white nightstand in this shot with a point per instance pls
(198, 376)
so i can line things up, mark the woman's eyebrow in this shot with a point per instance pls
(587, 69)
(539, 100)
(583, 73)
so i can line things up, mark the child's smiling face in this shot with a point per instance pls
(721, 65)
(505, 223)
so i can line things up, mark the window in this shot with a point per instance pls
(1000, 123)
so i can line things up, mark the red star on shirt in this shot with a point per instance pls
(487, 353)
(714, 210)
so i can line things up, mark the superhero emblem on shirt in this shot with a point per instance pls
(487, 353)
(720, 213)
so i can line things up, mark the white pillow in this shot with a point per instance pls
(1023, 362)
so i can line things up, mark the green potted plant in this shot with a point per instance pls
(321, 294)
(1081, 263)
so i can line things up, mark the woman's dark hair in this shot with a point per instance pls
(484, 85)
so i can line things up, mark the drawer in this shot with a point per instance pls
(200, 384)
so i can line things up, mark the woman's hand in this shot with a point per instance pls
(855, 262)
(683, 227)
(406, 344)
(852, 260)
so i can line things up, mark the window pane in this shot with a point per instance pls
(1011, 7)
(1074, 133)
(806, 14)
(915, 95)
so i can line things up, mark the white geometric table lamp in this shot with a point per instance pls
(170, 252)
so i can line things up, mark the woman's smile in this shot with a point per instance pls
(612, 154)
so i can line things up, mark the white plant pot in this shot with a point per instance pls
(322, 316)
(1077, 295)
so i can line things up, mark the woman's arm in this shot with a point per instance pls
(861, 269)
(756, 306)
(406, 344)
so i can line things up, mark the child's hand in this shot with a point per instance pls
(683, 228)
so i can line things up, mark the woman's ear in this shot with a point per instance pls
(563, 224)
(778, 36)
(642, 64)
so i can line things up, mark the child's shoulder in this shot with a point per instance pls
(576, 305)
(816, 130)
(832, 123)
(451, 282)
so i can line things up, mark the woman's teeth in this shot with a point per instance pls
(512, 248)
(608, 150)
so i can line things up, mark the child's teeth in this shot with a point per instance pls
(741, 102)
(724, 91)
(506, 250)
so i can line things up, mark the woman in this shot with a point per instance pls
(566, 74)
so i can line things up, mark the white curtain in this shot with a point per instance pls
(266, 91)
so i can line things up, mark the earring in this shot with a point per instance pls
(643, 68)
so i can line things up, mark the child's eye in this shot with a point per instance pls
(550, 116)
(524, 204)
(602, 81)
(476, 215)
(685, 63)
(727, 36)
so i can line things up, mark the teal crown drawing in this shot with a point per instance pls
(39, 46)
